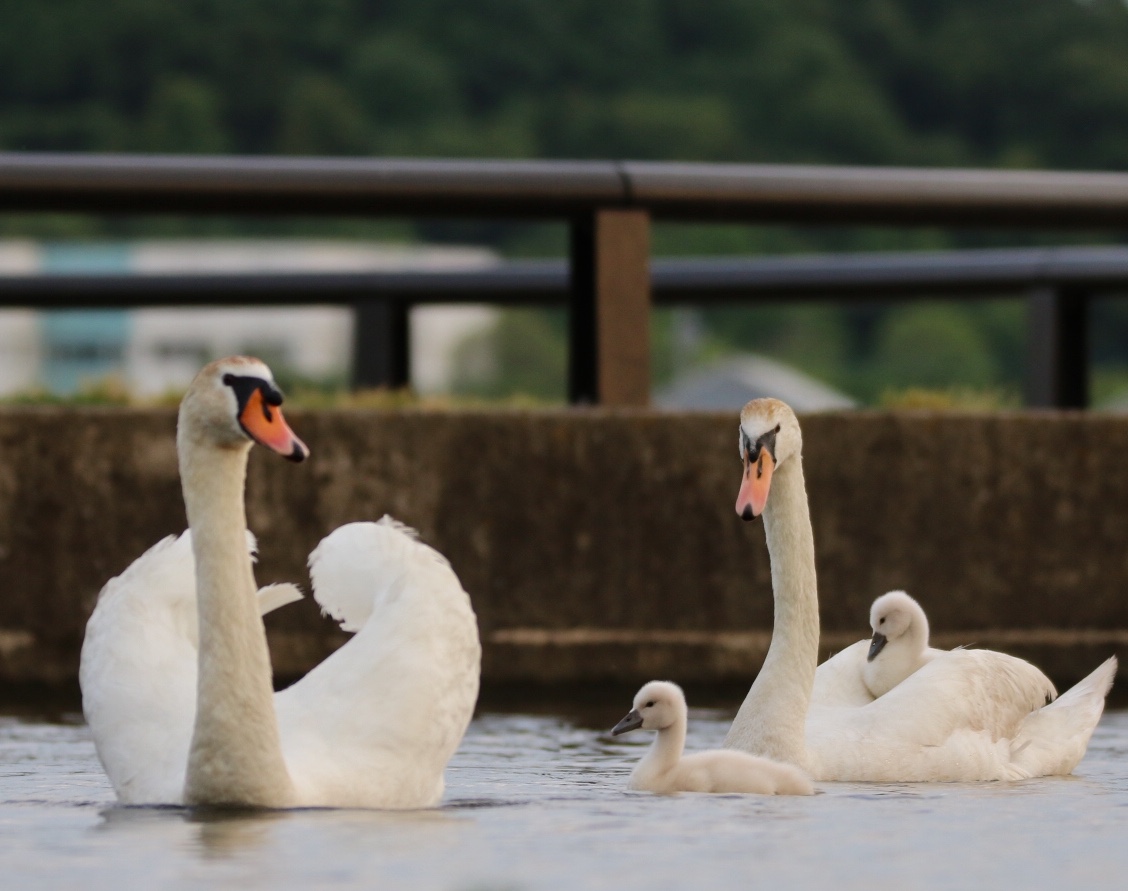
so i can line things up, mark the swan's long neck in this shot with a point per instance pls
(772, 720)
(665, 752)
(236, 756)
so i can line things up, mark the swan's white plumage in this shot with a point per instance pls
(839, 680)
(138, 669)
(660, 706)
(353, 730)
(966, 715)
(378, 720)
(176, 673)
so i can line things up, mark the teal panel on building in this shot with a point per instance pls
(83, 346)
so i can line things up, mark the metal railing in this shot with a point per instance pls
(609, 282)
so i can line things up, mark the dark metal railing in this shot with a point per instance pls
(609, 282)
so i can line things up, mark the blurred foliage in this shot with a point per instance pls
(524, 355)
(1010, 83)
(949, 399)
(1013, 83)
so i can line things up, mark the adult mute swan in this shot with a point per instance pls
(177, 691)
(660, 706)
(949, 720)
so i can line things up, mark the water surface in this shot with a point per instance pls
(539, 802)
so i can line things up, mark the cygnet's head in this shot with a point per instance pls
(658, 705)
(234, 402)
(893, 616)
(769, 436)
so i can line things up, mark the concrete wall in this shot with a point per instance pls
(601, 546)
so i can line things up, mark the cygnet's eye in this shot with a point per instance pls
(881, 621)
(649, 704)
(776, 429)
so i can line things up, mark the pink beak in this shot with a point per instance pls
(753, 494)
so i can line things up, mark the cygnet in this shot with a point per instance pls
(900, 642)
(660, 705)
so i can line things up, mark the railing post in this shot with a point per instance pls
(609, 313)
(381, 356)
(1057, 369)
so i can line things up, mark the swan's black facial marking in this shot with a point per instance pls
(244, 385)
(876, 645)
(752, 449)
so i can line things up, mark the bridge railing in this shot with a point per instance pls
(609, 282)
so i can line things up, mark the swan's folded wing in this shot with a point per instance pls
(377, 721)
(961, 690)
(956, 718)
(1053, 740)
(839, 680)
(138, 673)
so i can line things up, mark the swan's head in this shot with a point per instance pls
(892, 616)
(769, 436)
(657, 705)
(234, 402)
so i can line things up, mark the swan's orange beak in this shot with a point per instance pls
(265, 425)
(754, 487)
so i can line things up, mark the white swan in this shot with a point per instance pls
(947, 721)
(372, 726)
(660, 705)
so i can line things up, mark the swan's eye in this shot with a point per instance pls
(881, 621)
(649, 704)
(776, 429)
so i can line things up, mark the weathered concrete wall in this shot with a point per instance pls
(603, 545)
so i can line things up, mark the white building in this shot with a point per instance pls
(156, 350)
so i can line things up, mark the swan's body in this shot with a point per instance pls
(372, 726)
(962, 716)
(138, 670)
(840, 680)
(661, 706)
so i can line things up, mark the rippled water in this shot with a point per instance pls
(537, 801)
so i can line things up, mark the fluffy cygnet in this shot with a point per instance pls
(660, 706)
(900, 642)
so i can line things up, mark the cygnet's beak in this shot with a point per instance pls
(632, 721)
(754, 486)
(876, 645)
(264, 423)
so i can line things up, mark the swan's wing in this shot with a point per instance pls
(360, 563)
(270, 597)
(1052, 741)
(138, 670)
(953, 719)
(375, 723)
(138, 673)
(839, 681)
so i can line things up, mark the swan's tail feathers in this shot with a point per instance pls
(358, 563)
(1052, 740)
(270, 597)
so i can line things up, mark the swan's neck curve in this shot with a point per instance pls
(664, 753)
(772, 719)
(236, 756)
